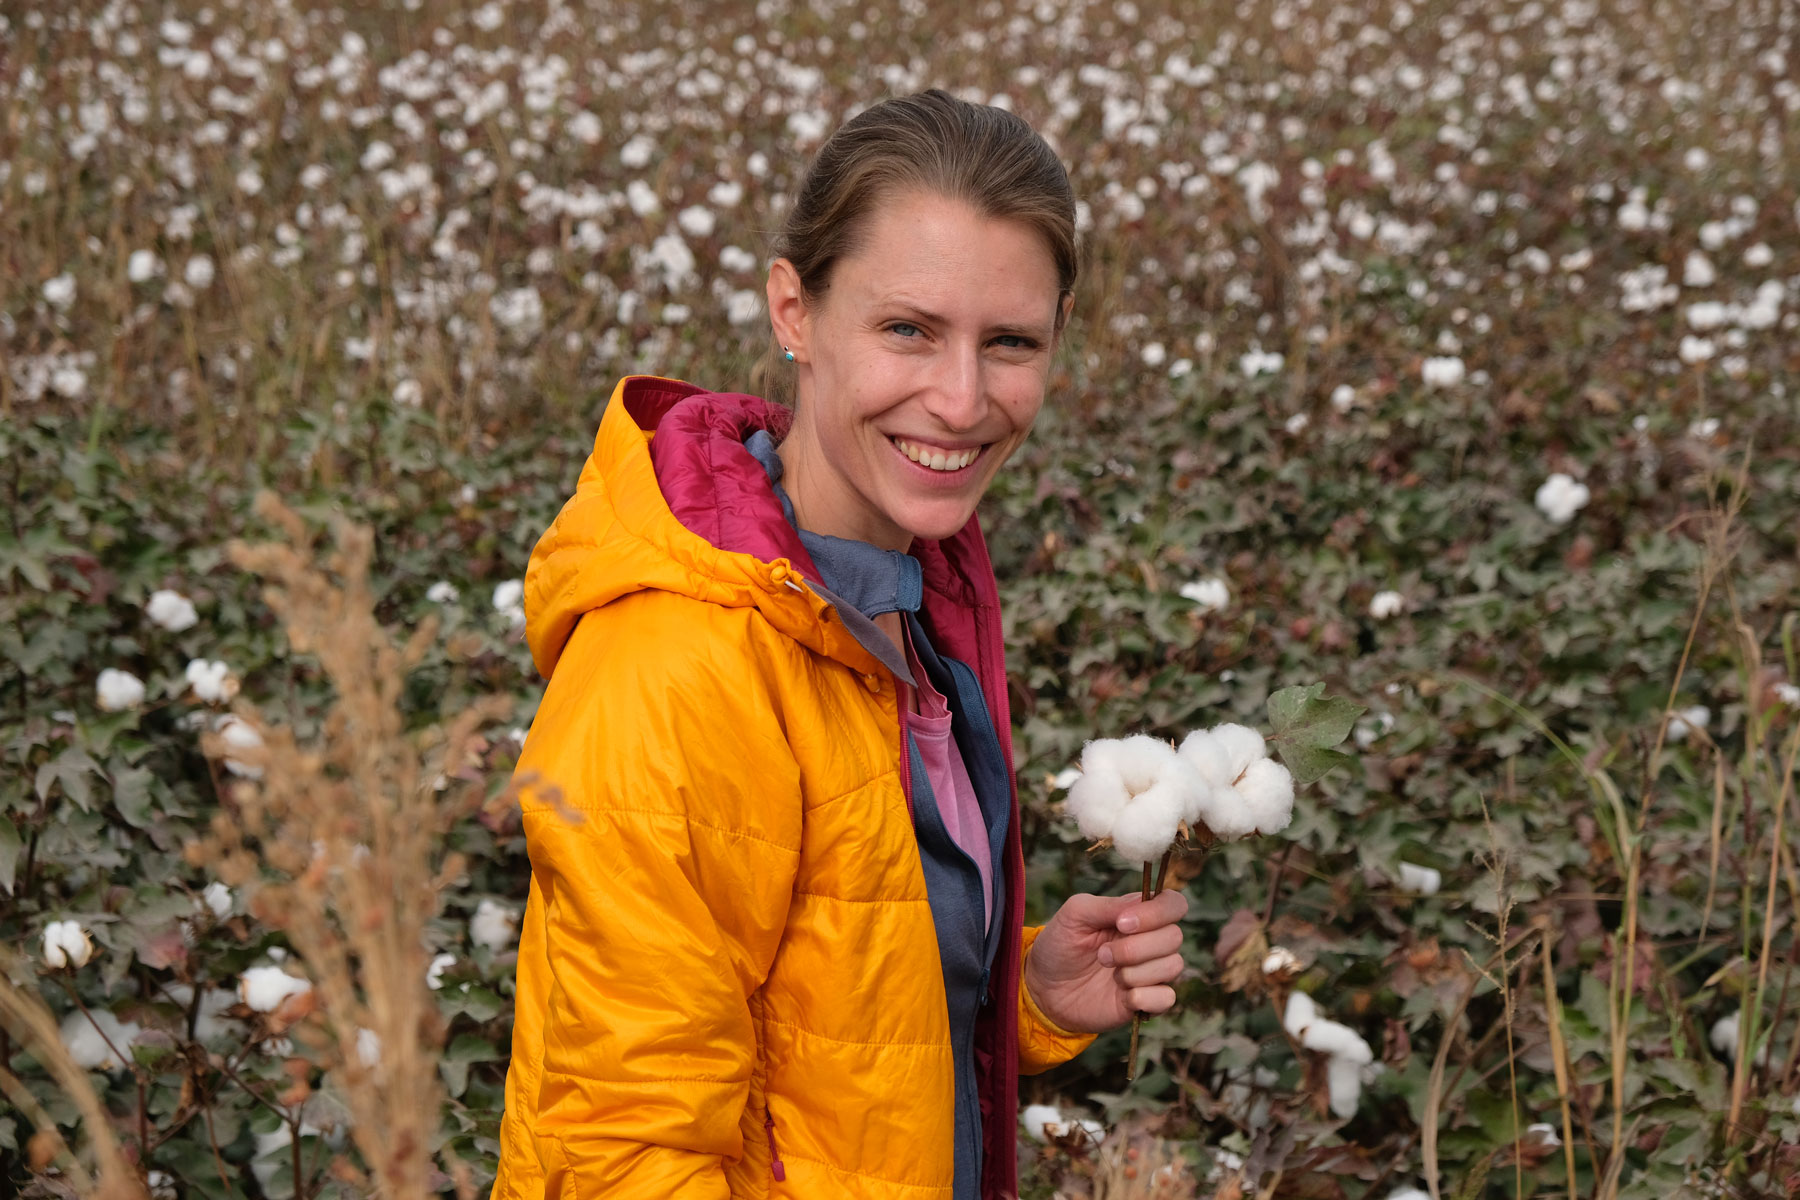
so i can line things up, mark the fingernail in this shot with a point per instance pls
(1105, 956)
(1128, 923)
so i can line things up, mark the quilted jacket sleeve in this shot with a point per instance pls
(662, 868)
(1042, 1043)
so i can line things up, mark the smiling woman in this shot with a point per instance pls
(774, 944)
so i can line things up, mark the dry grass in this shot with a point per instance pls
(339, 843)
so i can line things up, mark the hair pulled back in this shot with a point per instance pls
(983, 156)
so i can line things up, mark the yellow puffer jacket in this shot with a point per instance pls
(728, 979)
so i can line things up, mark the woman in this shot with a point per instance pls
(774, 943)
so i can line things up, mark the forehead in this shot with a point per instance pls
(941, 253)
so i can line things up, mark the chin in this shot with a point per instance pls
(935, 527)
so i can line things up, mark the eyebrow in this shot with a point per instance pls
(1003, 329)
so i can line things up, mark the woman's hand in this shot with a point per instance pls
(1103, 958)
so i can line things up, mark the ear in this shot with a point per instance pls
(788, 311)
(1067, 305)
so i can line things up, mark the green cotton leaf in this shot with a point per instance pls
(131, 796)
(11, 846)
(1309, 764)
(1305, 716)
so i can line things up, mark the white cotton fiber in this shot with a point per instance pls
(1301, 1013)
(1343, 1080)
(1267, 791)
(1242, 746)
(1423, 880)
(1339, 1041)
(1040, 1120)
(1206, 755)
(1134, 790)
(1224, 812)
(1725, 1035)
(1147, 825)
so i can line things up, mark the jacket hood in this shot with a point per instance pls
(670, 499)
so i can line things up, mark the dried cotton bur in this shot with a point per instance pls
(1144, 798)
(339, 843)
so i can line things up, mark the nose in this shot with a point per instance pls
(957, 396)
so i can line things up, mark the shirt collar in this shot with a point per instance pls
(874, 580)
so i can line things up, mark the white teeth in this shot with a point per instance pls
(938, 460)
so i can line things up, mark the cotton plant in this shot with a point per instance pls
(1145, 798)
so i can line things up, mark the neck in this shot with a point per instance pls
(821, 503)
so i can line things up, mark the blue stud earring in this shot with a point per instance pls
(788, 354)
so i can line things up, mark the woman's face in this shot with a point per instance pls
(921, 369)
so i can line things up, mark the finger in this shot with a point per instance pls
(1151, 1000)
(1142, 947)
(1158, 970)
(1136, 913)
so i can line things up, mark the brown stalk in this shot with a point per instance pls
(1137, 1019)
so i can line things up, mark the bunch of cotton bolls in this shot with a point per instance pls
(1346, 1054)
(1139, 793)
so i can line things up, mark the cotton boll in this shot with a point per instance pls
(1242, 746)
(1343, 1081)
(1559, 498)
(1339, 1041)
(1224, 811)
(1424, 881)
(368, 1048)
(1281, 961)
(1267, 790)
(434, 974)
(218, 898)
(171, 610)
(1040, 1120)
(240, 735)
(1114, 772)
(1687, 721)
(1095, 1131)
(492, 925)
(117, 691)
(1147, 825)
(87, 1035)
(265, 989)
(1207, 755)
(66, 944)
(1544, 1133)
(1065, 779)
(1409, 1193)
(1724, 1036)
(211, 681)
(1301, 1013)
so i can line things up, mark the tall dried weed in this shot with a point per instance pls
(339, 843)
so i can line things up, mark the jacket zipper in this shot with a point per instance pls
(775, 1165)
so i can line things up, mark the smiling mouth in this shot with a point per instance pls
(937, 459)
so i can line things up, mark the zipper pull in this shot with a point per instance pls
(775, 1165)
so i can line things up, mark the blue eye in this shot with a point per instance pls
(903, 329)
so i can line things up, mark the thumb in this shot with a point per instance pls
(1109, 913)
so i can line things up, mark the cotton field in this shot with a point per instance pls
(1441, 351)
